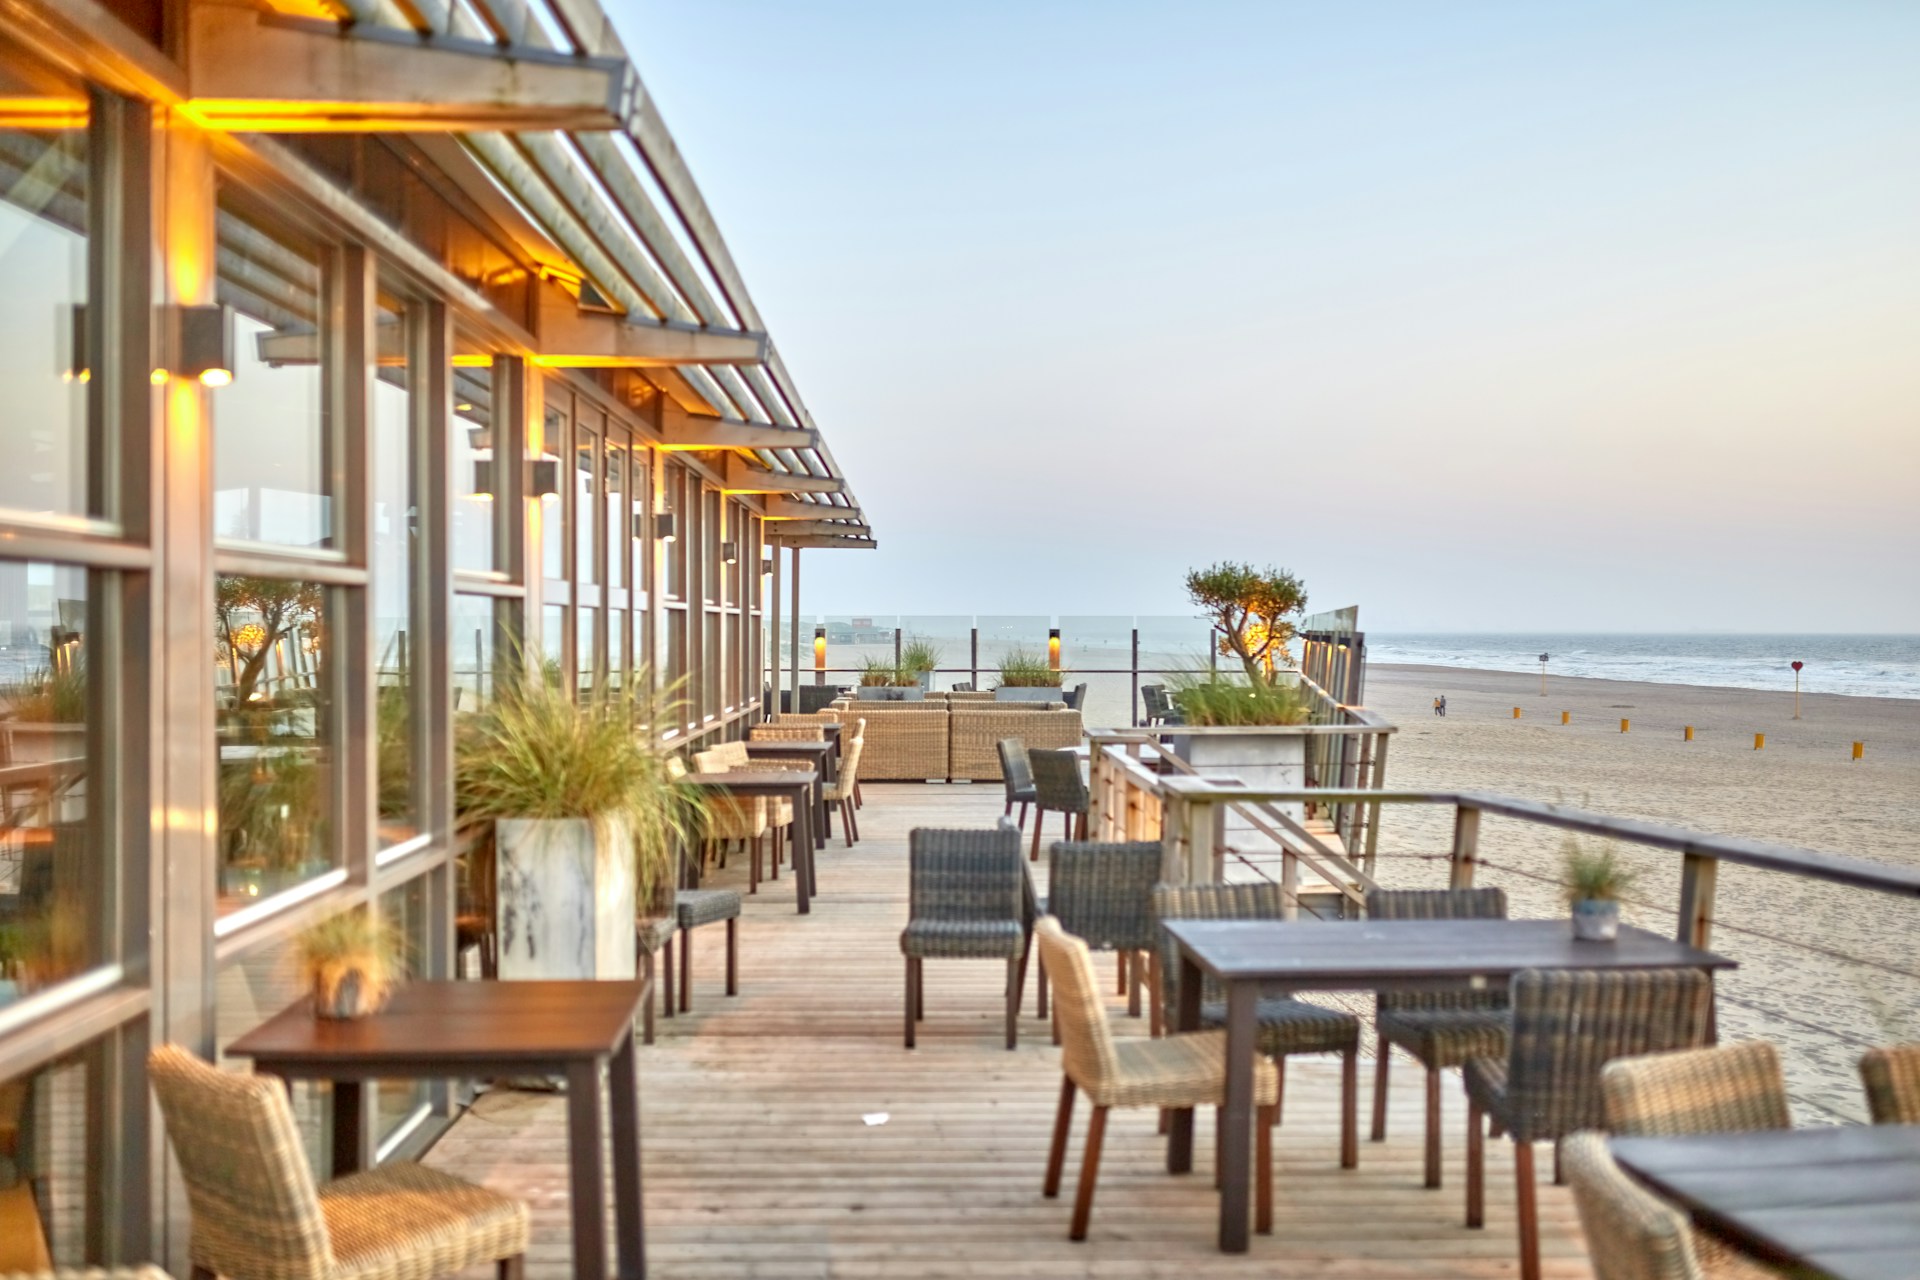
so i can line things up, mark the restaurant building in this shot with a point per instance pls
(353, 354)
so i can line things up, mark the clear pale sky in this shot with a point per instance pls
(1482, 316)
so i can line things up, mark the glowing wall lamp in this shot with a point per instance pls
(820, 654)
(79, 349)
(204, 345)
(543, 480)
(666, 526)
(483, 479)
(730, 552)
(1053, 649)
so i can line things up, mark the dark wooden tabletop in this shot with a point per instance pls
(1366, 953)
(1844, 1201)
(790, 747)
(456, 1023)
(747, 781)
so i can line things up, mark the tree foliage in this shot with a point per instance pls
(1253, 611)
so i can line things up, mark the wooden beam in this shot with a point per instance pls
(739, 476)
(262, 73)
(788, 529)
(782, 507)
(830, 544)
(685, 431)
(570, 337)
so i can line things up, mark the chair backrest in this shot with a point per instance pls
(1057, 783)
(787, 731)
(1438, 904)
(813, 697)
(1632, 1234)
(1260, 901)
(1892, 1077)
(1076, 695)
(255, 1208)
(1014, 770)
(1103, 893)
(964, 686)
(1153, 697)
(965, 874)
(721, 757)
(1086, 1041)
(851, 745)
(1569, 1023)
(1734, 1088)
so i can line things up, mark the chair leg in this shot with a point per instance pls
(859, 799)
(1263, 1171)
(1476, 1166)
(846, 822)
(913, 997)
(753, 866)
(1039, 820)
(1383, 1053)
(1156, 1027)
(1008, 811)
(1057, 1153)
(1040, 986)
(513, 1268)
(686, 971)
(1350, 1108)
(733, 957)
(1529, 1210)
(1133, 983)
(1013, 1003)
(1433, 1127)
(1089, 1174)
(853, 816)
(646, 1012)
(666, 987)
(1219, 1143)
(1280, 1094)
(1559, 1174)
(1023, 815)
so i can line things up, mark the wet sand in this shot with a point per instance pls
(1803, 789)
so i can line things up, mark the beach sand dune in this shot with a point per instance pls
(1825, 971)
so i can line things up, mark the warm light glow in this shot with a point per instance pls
(1053, 649)
(820, 649)
(481, 497)
(472, 362)
(216, 378)
(43, 113)
(158, 377)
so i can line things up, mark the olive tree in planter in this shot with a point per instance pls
(589, 824)
(1026, 677)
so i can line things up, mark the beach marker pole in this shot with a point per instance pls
(1689, 737)
(1859, 749)
(1759, 741)
(1566, 717)
(1543, 676)
(1516, 713)
(1797, 664)
(1623, 724)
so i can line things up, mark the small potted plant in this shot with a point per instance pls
(1595, 881)
(1025, 676)
(352, 963)
(884, 680)
(919, 659)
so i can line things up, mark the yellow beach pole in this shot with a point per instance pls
(1759, 741)
(1566, 717)
(1516, 713)
(1689, 735)
(1859, 749)
(1623, 724)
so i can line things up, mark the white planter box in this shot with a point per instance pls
(1268, 759)
(565, 898)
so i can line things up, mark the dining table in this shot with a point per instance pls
(1255, 958)
(576, 1030)
(795, 785)
(823, 756)
(1841, 1203)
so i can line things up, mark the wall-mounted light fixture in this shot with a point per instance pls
(483, 479)
(1053, 649)
(730, 552)
(544, 477)
(79, 358)
(766, 564)
(204, 345)
(820, 654)
(666, 526)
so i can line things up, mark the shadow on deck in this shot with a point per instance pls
(758, 1162)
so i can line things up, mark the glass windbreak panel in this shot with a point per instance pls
(56, 867)
(43, 1168)
(1008, 635)
(397, 1103)
(473, 461)
(474, 672)
(617, 453)
(1097, 651)
(585, 648)
(857, 644)
(945, 638)
(271, 454)
(584, 509)
(395, 549)
(273, 690)
(553, 641)
(553, 548)
(50, 337)
(248, 991)
(1169, 644)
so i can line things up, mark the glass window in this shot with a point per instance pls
(397, 1103)
(677, 550)
(641, 508)
(584, 509)
(56, 872)
(248, 991)
(272, 458)
(473, 461)
(273, 689)
(43, 1169)
(617, 534)
(395, 547)
(49, 335)
(473, 652)
(552, 546)
(553, 638)
(710, 544)
(586, 647)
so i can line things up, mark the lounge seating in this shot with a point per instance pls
(1179, 1071)
(954, 736)
(788, 729)
(1892, 1077)
(978, 727)
(1566, 1024)
(906, 741)
(257, 1213)
(1059, 788)
(1440, 1029)
(1102, 894)
(967, 899)
(1286, 1026)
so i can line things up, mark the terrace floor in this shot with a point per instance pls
(758, 1162)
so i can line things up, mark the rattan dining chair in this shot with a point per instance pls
(1286, 1026)
(1566, 1025)
(1729, 1088)
(846, 782)
(732, 757)
(1892, 1077)
(1631, 1233)
(1058, 788)
(257, 1214)
(1187, 1070)
(1102, 894)
(1440, 1029)
(967, 899)
(1016, 775)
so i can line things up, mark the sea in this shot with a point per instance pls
(1880, 666)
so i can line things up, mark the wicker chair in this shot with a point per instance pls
(1440, 1029)
(788, 730)
(651, 935)
(1153, 701)
(1566, 1025)
(695, 907)
(1076, 697)
(1632, 1234)
(1178, 1071)
(1058, 788)
(142, 1272)
(732, 757)
(846, 784)
(1892, 1077)
(1735, 1088)
(1102, 894)
(967, 899)
(1286, 1026)
(1016, 775)
(257, 1213)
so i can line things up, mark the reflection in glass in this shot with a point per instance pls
(247, 992)
(473, 647)
(583, 509)
(552, 545)
(616, 503)
(395, 533)
(584, 646)
(55, 873)
(397, 1102)
(48, 333)
(472, 454)
(43, 1152)
(270, 448)
(553, 640)
(272, 686)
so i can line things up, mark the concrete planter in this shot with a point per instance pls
(1028, 693)
(891, 693)
(1267, 758)
(565, 894)
(1596, 919)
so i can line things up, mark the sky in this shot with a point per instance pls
(1480, 316)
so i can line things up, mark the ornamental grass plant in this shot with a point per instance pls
(1024, 669)
(1209, 698)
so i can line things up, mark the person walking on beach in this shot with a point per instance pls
(1440, 705)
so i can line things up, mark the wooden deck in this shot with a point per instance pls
(758, 1161)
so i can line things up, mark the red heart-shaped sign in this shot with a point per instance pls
(1798, 665)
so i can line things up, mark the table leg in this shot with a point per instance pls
(623, 1083)
(348, 1123)
(586, 1182)
(1186, 1017)
(803, 844)
(1236, 1117)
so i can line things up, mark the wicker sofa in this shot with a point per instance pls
(977, 726)
(918, 741)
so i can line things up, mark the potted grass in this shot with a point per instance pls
(588, 822)
(1025, 676)
(919, 659)
(1596, 880)
(884, 680)
(47, 715)
(352, 963)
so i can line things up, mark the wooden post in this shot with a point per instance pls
(1698, 874)
(1466, 847)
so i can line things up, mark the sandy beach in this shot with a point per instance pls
(1803, 788)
